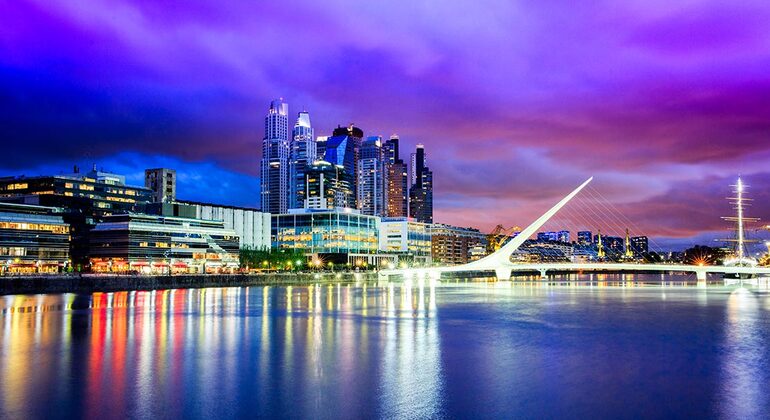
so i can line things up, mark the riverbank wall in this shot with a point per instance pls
(90, 283)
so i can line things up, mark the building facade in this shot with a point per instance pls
(370, 179)
(421, 191)
(584, 237)
(250, 225)
(33, 239)
(339, 236)
(451, 245)
(396, 180)
(406, 238)
(85, 198)
(327, 187)
(301, 156)
(154, 244)
(341, 149)
(162, 183)
(274, 168)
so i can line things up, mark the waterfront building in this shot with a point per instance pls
(85, 198)
(543, 251)
(342, 149)
(452, 244)
(327, 187)
(406, 238)
(33, 239)
(162, 183)
(547, 236)
(370, 179)
(337, 236)
(154, 244)
(640, 246)
(302, 155)
(274, 168)
(584, 237)
(562, 236)
(250, 225)
(421, 191)
(613, 246)
(396, 180)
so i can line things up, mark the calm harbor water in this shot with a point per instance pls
(604, 348)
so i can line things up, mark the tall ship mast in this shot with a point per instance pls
(740, 256)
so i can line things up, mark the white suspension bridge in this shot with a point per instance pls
(499, 262)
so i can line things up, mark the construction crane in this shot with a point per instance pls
(499, 235)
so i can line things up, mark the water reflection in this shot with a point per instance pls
(419, 348)
(745, 357)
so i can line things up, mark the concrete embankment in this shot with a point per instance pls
(12, 285)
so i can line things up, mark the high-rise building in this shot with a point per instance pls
(341, 149)
(584, 237)
(370, 179)
(640, 245)
(274, 168)
(421, 191)
(301, 156)
(162, 182)
(396, 180)
(562, 236)
(326, 186)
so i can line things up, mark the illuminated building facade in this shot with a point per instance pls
(301, 156)
(452, 244)
(161, 244)
(405, 238)
(584, 237)
(339, 236)
(370, 179)
(85, 198)
(162, 183)
(33, 239)
(274, 167)
(396, 180)
(250, 225)
(327, 187)
(640, 245)
(342, 149)
(421, 191)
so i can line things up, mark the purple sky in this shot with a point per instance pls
(664, 102)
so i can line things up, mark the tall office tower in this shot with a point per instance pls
(162, 182)
(342, 149)
(396, 180)
(584, 237)
(325, 186)
(275, 159)
(301, 156)
(421, 191)
(371, 198)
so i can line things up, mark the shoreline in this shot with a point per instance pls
(89, 283)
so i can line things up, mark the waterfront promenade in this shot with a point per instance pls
(88, 283)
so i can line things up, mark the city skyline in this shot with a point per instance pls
(665, 112)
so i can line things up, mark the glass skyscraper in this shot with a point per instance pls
(342, 149)
(274, 168)
(370, 179)
(396, 180)
(421, 191)
(302, 155)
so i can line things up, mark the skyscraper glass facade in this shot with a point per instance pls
(396, 180)
(302, 155)
(274, 168)
(371, 183)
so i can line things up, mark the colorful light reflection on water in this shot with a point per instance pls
(389, 350)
